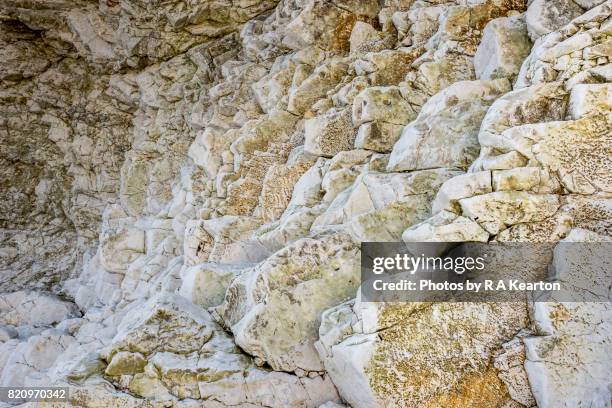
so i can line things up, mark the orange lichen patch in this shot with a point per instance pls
(477, 390)
(434, 353)
(559, 315)
(395, 313)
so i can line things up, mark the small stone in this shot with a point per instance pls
(463, 186)
(126, 363)
(7, 333)
(362, 36)
(89, 366)
(384, 104)
(378, 136)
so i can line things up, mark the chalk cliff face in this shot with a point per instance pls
(184, 185)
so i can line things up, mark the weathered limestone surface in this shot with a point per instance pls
(579, 326)
(518, 178)
(274, 308)
(379, 206)
(445, 134)
(184, 186)
(504, 46)
(379, 346)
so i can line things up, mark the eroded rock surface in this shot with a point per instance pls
(184, 187)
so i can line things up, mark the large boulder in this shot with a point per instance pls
(462, 186)
(34, 308)
(378, 136)
(544, 16)
(365, 38)
(419, 354)
(446, 226)
(343, 169)
(577, 151)
(533, 104)
(498, 210)
(274, 309)
(445, 133)
(568, 360)
(223, 239)
(309, 87)
(163, 323)
(380, 206)
(205, 284)
(167, 348)
(504, 46)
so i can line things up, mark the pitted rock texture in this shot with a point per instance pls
(184, 186)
